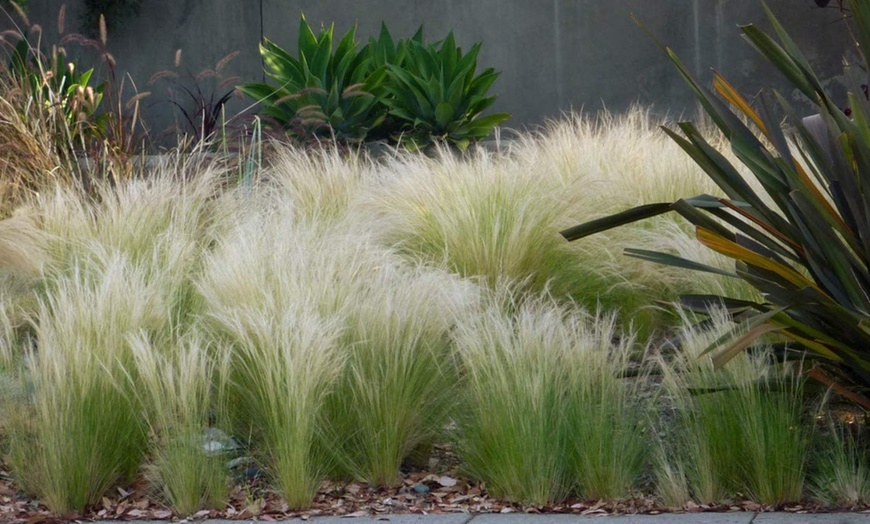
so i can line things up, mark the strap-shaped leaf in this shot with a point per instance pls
(780, 58)
(738, 252)
(619, 219)
(753, 218)
(690, 210)
(724, 88)
(705, 303)
(835, 255)
(675, 261)
(731, 335)
(860, 11)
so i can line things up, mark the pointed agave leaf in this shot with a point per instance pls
(282, 67)
(343, 56)
(307, 43)
(319, 61)
(482, 83)
(448, 55)
(443, 115)
(482, 127)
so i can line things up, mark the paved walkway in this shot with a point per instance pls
(521, 518)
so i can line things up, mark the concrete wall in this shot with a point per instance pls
(555, 55)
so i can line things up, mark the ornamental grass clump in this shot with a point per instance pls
(275, 294)
(279, 370)
(175, 386)
(88, 276)
(841, 476)
(487, 216)
(605, 412)
(739, 430)
(527, 375)
(398, 385)
(80, 431)
(483, 218)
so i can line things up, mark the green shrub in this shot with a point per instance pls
(81, 431)
(411, 92)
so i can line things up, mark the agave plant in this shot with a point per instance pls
(322, 93)
(803, 240)
(386, 51)
(438, 97)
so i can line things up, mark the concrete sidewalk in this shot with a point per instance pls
(522, 518)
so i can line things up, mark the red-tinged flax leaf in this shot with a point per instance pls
(724, 88)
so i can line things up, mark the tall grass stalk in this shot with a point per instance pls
(741, 431)
(280, 370)
(84, 432)
(604, 412)
(274, 294)
(31, 133)
(398, 385)
(320, 183)
(527, 377)
(841, 477)
(175, 386)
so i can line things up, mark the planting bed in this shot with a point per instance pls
(344, 317)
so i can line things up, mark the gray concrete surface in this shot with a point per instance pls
(554, 55)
